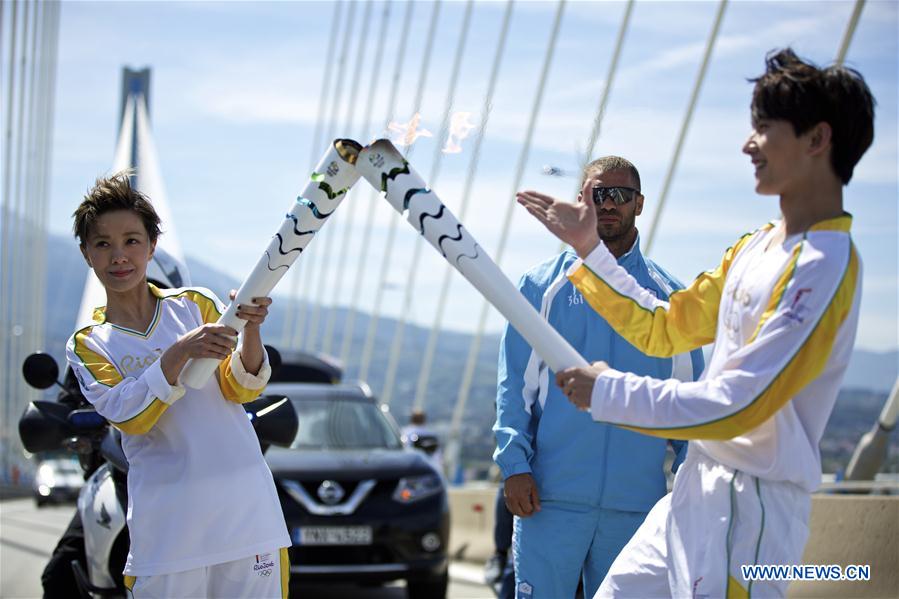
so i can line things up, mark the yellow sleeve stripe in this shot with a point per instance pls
(100, 368)
(690, 320)
(627, 316)
(778, 292)
(804, 366)
(143, 422)
(208, 308)
(231, 389)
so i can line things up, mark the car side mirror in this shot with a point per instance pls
(40, 370)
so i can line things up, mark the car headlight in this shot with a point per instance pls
(46, 475)
(414, 488)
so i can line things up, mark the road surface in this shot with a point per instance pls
(28, 536)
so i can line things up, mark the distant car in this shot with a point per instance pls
(57, 480)
(360, 506)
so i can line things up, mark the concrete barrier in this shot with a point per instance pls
(853, 530)
(845, 530)
(14, 491)
(472, 507)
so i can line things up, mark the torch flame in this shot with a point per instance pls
(406, 133)
(460, 127)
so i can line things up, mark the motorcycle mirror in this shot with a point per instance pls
(40, 370)
(274, 360)
(44, 425)
(274, 418)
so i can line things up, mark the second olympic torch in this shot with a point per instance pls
(382, 165)
(327, 187)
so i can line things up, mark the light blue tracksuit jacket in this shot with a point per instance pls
(572, 458)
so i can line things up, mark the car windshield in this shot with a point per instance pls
(340, 424)
(69, 467)
(64, 466)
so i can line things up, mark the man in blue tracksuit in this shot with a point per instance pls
(579, 489)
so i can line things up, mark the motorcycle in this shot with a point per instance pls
(71, 424)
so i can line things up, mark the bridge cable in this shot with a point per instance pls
(349, 214)
(468, 376)
(19, 223)
(5, 235)
(368, 348)
(323, 251)
(292, 330)
(11, 385)
(31, 201)
(603, 101)
(850, 31)
(5, 427)
(685, 127)
(364, 132)
(373, 204)
(408, 293)
(47, 94)
(424, 373)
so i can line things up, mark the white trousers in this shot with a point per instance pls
(263, 576)
(695, 540)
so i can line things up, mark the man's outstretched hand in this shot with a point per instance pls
(574, 224)
(520, 491)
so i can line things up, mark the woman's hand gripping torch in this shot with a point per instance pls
(382, 165)
(327, 187)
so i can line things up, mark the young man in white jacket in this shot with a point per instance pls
(782, 310)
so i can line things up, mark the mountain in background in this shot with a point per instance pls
(875, 371)
(869, 378)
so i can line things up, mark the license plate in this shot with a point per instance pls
(332, 535)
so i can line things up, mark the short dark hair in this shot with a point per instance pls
(611, 163)
(803, 94)
(418, 416)
(108, 195)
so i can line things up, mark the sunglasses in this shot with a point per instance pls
(619, 195)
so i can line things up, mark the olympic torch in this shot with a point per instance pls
(327, 187)
(382, 165)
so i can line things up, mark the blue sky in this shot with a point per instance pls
(234, 103)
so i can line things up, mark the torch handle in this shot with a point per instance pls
(258, 284)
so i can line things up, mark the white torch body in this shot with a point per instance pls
(328, 184)
(382, 165)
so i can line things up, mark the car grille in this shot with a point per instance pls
(312, 486)
(356, 493)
